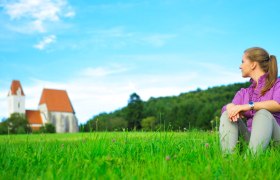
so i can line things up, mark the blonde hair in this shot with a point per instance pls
(268, 64)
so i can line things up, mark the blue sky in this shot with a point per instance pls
(103, 51)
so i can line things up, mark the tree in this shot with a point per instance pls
(148, 123)
(197, 109)
(18, 124)
(48, 128)
(4, 127)
(134, 113)
(117, 124)
(105, 122)
(83, 128)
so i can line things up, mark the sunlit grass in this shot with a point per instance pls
(129, 155)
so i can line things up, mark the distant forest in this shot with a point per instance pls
(199, 109)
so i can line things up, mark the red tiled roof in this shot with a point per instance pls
(56, 100)
(15, 86)
(34, 117)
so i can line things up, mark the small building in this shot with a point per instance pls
(16, 98)
(55, 107)
(34, 119)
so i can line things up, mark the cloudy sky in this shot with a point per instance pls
(101, 51)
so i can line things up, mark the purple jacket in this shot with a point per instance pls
(244, 95)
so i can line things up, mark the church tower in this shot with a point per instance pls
(16, 98)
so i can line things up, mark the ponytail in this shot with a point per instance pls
(272, 74)
(268, 64)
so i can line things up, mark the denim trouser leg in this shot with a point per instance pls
(228, 133)
(264, 128)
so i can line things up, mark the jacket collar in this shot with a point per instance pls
(261, 81)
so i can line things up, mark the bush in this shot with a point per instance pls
(48, 128)
(149, 123)
(17, 124)
(3, 128)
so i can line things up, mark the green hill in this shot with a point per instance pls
(198, 109)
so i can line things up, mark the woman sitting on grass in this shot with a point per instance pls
(259, 104)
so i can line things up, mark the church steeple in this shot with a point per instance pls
(16, 98)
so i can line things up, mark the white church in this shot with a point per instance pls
(54, 107)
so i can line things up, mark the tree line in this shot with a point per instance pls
(199, 109)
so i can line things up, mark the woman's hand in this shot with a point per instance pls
(235, 111)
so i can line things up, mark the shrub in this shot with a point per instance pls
(48, 128)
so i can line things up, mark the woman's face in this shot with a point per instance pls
(246, 66)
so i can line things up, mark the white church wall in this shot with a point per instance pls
(44, 113)
(64, 122)
(16, 104)
(74, 124)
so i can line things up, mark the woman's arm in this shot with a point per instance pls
(270, 105)
(234, 111)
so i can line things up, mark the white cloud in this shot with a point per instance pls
(38, 10)
(104, 71)
(223, 75)
(45, 42)
(36, 13)
(119, 37)
(70, 14)
(3, 103)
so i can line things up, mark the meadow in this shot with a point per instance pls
(130, 155)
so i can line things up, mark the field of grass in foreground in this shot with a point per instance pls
(129, 155)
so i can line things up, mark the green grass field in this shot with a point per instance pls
(129, 155)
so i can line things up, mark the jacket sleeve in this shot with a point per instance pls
(237, 98)
(276, 91)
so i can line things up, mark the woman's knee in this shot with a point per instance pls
(224, 120)
(262, 118)
(224, 116)
(263, 113)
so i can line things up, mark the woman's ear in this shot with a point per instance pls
(254, 65)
